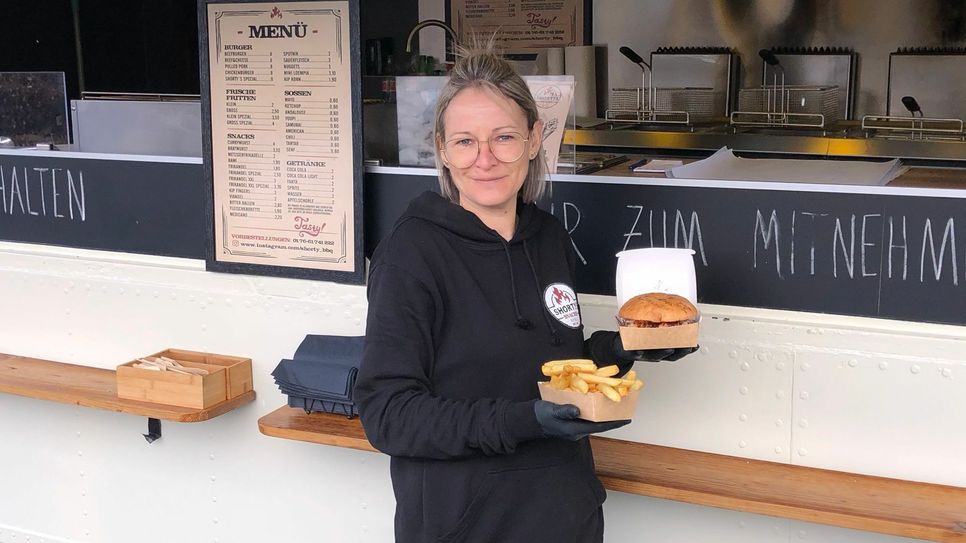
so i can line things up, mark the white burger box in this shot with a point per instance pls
(657, 269)
(594, 406)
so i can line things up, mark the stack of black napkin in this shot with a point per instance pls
(321, 375)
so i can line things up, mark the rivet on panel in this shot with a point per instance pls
(779, 423)
(764, 356)
(806, 366)
(214, 499)
(803, 395)
(778, 450)
(742, 444)
(946, 372)
(211, 457)
(812, 331)
(780, 394)
(780, 366)
(801, 534)
(204, 327)
(733, 353)
(803, 423)
(853, 363)
(802, 451)
(704, 350)
(883, 365)
(915, 368)
(214, 520)
(745, 366)
(743, 417)
(212, 478)
(743, 390)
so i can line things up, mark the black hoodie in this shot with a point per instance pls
(459, 322)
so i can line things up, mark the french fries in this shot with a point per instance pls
(583, 376)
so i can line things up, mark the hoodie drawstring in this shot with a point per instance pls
(555, 339)
(522, 322)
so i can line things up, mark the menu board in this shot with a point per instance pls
(521, 24)
(283, 151)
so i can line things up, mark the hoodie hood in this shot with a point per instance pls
(434, 208)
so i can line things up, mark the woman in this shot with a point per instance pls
(459, 324)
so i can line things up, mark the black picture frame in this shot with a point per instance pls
(357, 275)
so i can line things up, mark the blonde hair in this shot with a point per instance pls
(478, 65)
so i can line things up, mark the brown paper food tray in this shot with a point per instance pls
(667, 337)
(593, 406)
(229, 376)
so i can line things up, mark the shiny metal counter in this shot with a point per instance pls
(918, 181)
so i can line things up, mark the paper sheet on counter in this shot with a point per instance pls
(724, 165)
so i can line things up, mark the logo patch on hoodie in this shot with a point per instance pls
(562, 303)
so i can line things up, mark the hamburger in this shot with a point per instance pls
(657, 310)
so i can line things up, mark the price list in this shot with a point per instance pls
(521, 24)
(281, 133)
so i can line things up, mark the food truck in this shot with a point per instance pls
(810, 156)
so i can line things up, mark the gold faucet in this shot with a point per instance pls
(424, 24)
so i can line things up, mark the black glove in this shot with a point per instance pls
(560, 420)
(650, 355)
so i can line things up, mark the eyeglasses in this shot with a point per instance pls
(462, 152)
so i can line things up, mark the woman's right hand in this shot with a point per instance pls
(560, 420)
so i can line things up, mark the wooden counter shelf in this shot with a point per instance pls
(862, 502)
(93, 387)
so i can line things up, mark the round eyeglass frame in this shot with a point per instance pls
(489, 144)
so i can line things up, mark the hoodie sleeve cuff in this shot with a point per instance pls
(521, 422)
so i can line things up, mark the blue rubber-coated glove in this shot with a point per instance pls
(560, 420)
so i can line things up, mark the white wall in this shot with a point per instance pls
(870, 396)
